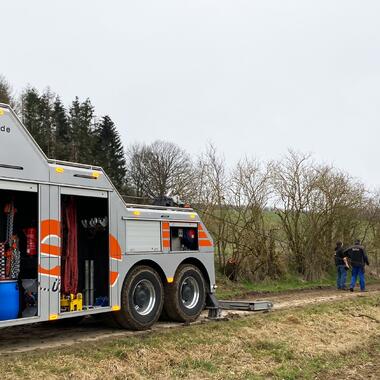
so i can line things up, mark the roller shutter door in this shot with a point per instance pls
(143, 236)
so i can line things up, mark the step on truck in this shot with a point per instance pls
(71, 247)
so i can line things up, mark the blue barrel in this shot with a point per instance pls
(9, 300)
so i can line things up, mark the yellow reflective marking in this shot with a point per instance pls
(53, 317)
(170, 279)
(59, 170)
(136, 213)
(116, 308)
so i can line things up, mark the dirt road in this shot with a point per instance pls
(47, 336)
(316, 296)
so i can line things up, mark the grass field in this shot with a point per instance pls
(228, 289)
(322, 341)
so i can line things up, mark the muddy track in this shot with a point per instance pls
(47, 336)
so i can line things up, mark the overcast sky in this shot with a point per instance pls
(253, 77)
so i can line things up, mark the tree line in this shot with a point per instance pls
(272, 218)
(72, 133)
(267, 218)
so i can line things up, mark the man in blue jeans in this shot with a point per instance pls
(341, 266)
(358, 259)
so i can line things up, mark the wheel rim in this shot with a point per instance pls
(144, 297)
(190, 292)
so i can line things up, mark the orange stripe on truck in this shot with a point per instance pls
(50, 227)
(165, 235)
(115, 250)
(113, 277)
(205, 243)
(56, 271)
(202, 235)
(50, 250)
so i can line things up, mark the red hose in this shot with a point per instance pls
(70, 273)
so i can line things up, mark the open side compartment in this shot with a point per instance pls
(85, 253)
(183, 237)
(18, 254)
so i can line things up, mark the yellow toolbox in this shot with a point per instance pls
(72, 302)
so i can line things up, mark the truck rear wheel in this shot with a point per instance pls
(185, 297)
(141, 299)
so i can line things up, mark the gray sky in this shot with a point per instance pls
(253, 77)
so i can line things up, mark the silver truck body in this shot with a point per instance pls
(24, 167)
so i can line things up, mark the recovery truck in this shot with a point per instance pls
(71, 247)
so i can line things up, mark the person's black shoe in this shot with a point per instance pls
(351, 289)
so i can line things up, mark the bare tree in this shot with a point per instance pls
(293, 183)
(250, 235)
(371, 235)
(211, 184)
(316, 205)
(160, 168)
(233, 205)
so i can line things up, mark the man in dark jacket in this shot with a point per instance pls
(341, 266)
(358, 259)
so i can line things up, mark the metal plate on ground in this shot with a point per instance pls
(246, 305)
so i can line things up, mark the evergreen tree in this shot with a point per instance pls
(109, 152)
(6, 92)
(30, 111)
(36, 112)
(61, 126)
(46, 123)
(81, 123)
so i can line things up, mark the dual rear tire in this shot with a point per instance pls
(144, 298)
(185, 297)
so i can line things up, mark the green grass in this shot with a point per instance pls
(318, 366)
(228, 289)
(261, 346)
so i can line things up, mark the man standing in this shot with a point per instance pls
(341, 266)
(358, 259)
